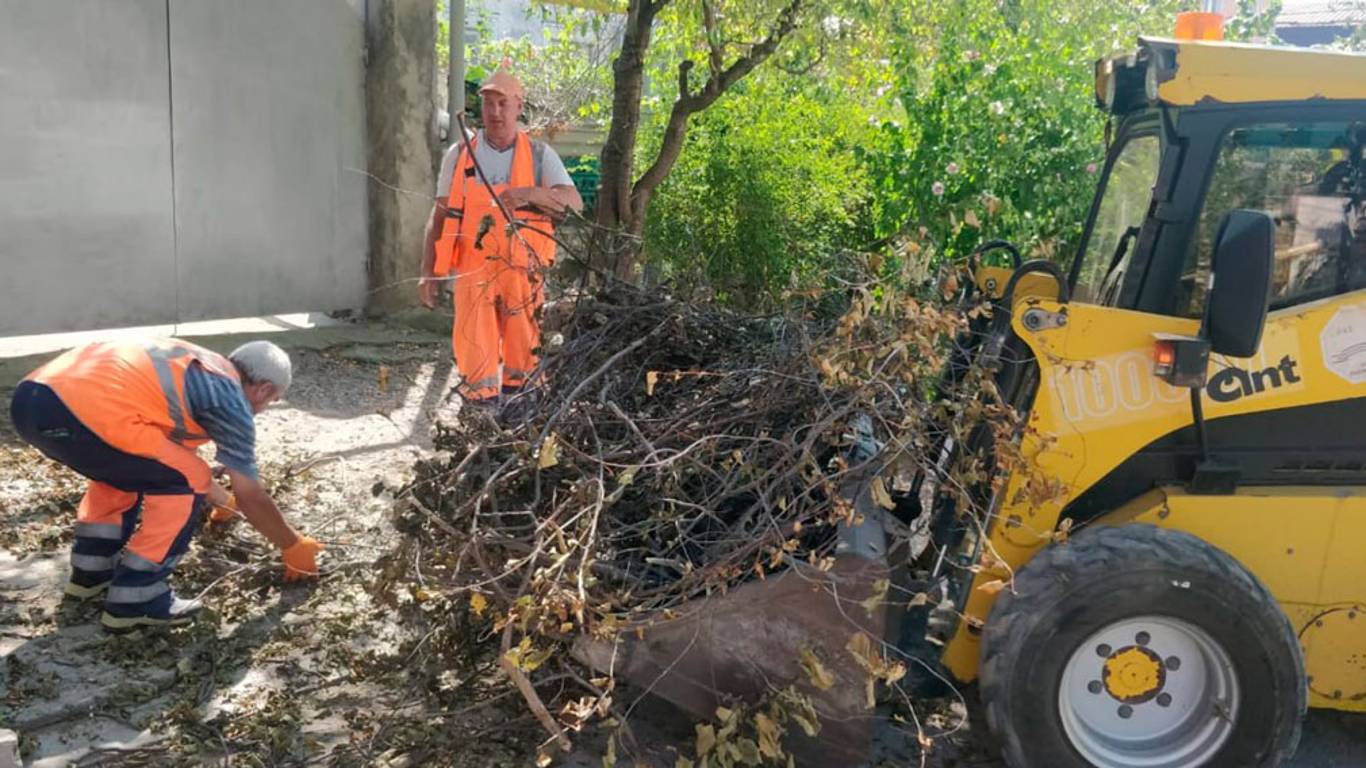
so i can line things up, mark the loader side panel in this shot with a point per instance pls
(1099, 407)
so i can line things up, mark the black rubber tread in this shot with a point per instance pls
(1103, 574)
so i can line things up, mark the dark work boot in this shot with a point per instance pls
(166, 610)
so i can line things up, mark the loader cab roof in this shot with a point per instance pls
(1188, 73)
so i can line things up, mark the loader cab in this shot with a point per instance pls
(1173, 170)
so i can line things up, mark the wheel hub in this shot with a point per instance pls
(1134, 675)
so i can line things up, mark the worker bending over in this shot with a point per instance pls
(497, 270)
(128, 416)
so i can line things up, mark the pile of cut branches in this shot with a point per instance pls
(678, 450)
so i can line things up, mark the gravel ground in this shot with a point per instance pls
(290, 675)
(316, 673)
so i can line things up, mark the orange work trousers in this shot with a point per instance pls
(496, 331)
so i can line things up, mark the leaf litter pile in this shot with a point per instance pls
(680, 450)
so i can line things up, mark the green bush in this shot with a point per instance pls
(767, 193)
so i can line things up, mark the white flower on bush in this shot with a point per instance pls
(990, 69)
(952, 169)
(937, 188)
(971, 55)
(1091, 167)
(998, 108)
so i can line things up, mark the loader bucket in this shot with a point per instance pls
(749, 642)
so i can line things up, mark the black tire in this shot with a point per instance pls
(1102, 575)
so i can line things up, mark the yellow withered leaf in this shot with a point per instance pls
(769, 737)
(816, 671)
(1064, 530)
(706, 738)
(807, 720)
(877, 598)
(970, 218)
(651, 379)
(880, 495)
(860, 646)
(950, 286)
(992, 587)
(609, 758)
(478, 603)
(550, 451)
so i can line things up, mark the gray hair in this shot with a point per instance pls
(263, 362)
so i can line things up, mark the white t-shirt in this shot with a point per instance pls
(550, 170)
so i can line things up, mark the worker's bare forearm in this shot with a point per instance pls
(259, 508)
(557, 201)
(429, 236)
(552, 201)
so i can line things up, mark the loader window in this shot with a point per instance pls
(1127, 190)
(1312, 180)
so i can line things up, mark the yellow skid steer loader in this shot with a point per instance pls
(1195, 384)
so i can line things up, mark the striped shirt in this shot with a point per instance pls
(221, 408)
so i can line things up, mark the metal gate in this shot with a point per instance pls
(176, 160)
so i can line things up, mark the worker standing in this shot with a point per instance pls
(128, 417)
(496, 269)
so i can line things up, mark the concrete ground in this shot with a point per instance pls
(292, 673)
(299, 674)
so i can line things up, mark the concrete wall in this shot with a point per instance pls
(403, 145)
(87, 234)
(168, 160)
(269, 117)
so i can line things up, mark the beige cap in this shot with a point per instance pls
(503, 82)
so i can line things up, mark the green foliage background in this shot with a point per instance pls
(924, 128)
(916, 128)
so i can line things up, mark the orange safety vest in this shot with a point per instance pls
(479, 231)
(133, 395)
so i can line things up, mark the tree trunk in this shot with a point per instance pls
(614, 210)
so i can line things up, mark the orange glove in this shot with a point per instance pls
(301, 559)
(226, 512)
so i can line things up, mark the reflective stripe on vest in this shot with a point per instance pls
(161, 362)
(171, 378)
